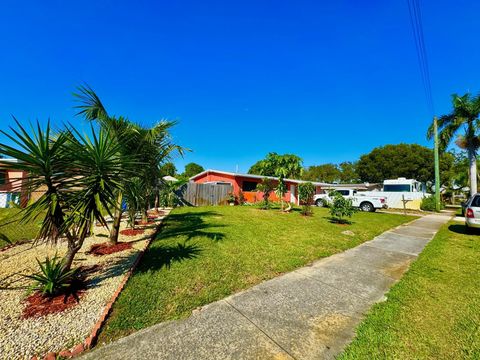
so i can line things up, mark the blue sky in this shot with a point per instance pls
(327, 81)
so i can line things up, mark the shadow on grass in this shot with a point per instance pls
(189, 225)
(334, 220)
(162, 256)
(462, 229)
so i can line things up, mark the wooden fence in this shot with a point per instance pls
(204, 194)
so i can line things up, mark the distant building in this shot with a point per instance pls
(13, 189)
(247, 184)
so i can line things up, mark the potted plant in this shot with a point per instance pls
(231, 199)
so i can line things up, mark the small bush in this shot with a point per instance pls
(428, 204)
(341, 208)
(241, 198)
(266, 187)
(305, 192)
(264, 205)
(53, 279)
(231, 198)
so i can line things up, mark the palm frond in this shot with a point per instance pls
(90, 107)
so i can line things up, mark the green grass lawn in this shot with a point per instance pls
(204, 254)
(434, 311)
(12, 230)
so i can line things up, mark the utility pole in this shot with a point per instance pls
(437, 164)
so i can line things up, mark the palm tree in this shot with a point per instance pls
(151, 147)
(80, 175)
(465, 115)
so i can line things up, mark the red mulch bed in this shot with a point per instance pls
(39, 305)
(107, 248)
(132, 232)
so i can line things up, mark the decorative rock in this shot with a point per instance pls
(348, 232)
(23, 339)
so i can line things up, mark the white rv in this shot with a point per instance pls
(400, 190)
(404, 185)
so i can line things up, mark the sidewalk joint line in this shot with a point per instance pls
(260, 329)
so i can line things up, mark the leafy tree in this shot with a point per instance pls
(328, 173)
(348, 172)
(287, 165)
(266, 187)
(168, 169)
(402, 160)
(305, 192)
(80, 176)
(464, 116)
(341, 207)
(192, 169)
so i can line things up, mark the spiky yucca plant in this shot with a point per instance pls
(53, 277)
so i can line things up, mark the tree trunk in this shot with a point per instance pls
(472, 157)
(156, 201)
(117, 218)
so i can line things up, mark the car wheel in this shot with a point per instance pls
(367, 207)
(320, 203)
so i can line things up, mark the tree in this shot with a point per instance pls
(348, 172)
(192, 169)
(306, 191)
(393, 161)
(465, 115)
(151, 147)
(80, 176)
(266, 187)
(328, 173)
(341, 207)
(168, 169)
(288, 165)
(281, 190)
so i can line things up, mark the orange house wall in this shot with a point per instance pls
(237, 182)
(15, 182)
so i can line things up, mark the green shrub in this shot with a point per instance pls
(341, 208)
(53, 278)
(266, 187)
(428, 204)
(241, 198)
(305, 193)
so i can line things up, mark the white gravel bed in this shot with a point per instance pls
(24, 338)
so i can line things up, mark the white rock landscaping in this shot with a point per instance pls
(23, 338)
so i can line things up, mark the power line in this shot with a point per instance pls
(417, 28)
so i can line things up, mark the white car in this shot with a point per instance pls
(363, 202)
(472, 212)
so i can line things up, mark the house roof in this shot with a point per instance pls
(252, 176)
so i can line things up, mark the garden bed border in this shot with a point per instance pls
(88, 343)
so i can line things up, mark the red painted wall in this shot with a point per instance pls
(237, 182)
(15, 182)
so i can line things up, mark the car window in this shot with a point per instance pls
(343, 192)
(476, 201)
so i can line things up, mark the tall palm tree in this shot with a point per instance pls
(80, 175)
(465, 115)
(151, 146)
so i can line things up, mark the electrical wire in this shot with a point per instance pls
(417, 28)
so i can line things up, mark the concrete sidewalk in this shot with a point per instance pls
(310, 313)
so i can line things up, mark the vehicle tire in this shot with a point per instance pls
(319, 203)
(367, 206)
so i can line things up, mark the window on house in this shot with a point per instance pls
(249, 185)
(3, 177)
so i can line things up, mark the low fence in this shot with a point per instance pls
(204, 194)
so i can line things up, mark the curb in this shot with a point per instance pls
(90, 340)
